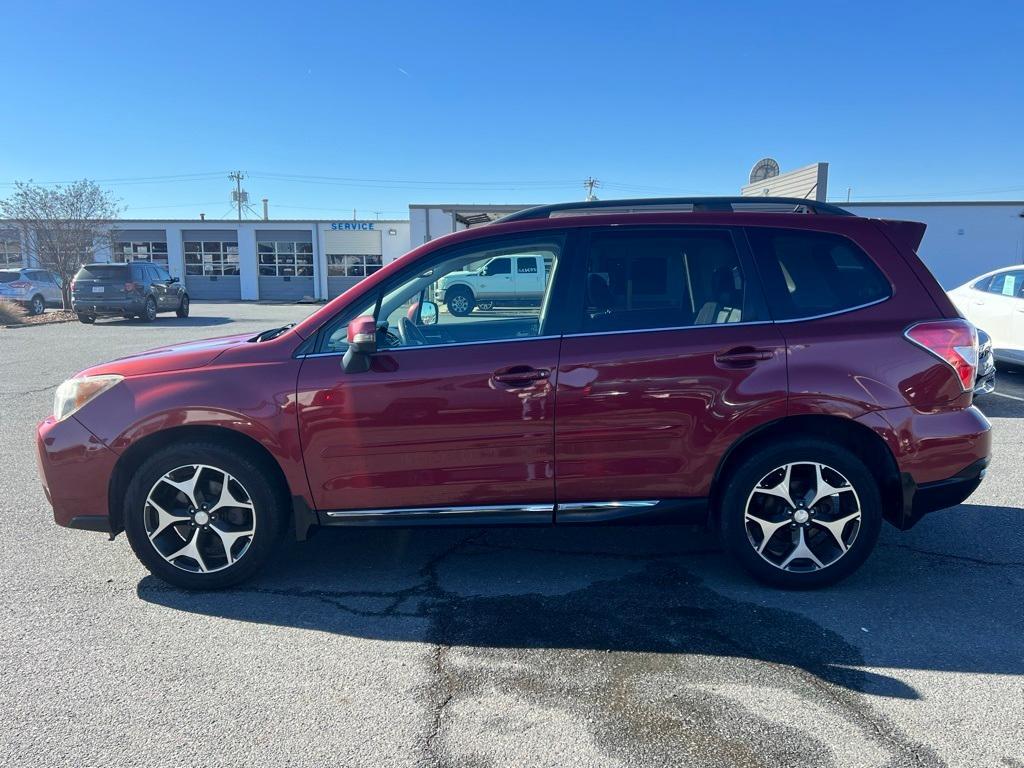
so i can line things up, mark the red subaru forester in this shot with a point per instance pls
(780, 369)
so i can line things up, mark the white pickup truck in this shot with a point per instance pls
(507, 281)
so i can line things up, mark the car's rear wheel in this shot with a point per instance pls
(37, 306)
(87, 319)
(182, 310)
(202, 516)
(460, 301)
(801, 514)
(148, 310)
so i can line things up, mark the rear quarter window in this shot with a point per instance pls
(807, 274)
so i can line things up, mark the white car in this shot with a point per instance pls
(36, 289)
(995, 302)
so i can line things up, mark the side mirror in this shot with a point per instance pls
(483, 272)
(362, 342)
(428, 313)
(173, 280)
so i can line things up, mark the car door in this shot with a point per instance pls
(453, 421)
(668, 357)
(1001, 302)
(529, 279)
(497, 281)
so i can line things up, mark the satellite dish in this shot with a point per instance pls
(764, 168)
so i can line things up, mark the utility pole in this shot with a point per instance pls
(237, 177)
(588, 184)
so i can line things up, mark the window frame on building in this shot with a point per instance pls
(285, 258)
(140, 250)
(211, 262)
(353, 264)
(7, 254)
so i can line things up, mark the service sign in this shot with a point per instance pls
(350, 225)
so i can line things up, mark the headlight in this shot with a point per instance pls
(74, 393)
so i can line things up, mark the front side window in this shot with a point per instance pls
(406, 312)
(640, 280)
(808, 274)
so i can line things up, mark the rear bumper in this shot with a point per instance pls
(941, 457)
(941, 494)
(107, 306)
(75, 468)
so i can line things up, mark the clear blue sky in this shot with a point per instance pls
(508, 102)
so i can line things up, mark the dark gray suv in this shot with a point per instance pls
(139, 289)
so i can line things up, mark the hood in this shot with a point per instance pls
(175, 357)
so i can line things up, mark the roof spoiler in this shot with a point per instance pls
(905, 234)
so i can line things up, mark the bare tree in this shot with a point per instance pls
(64, 224)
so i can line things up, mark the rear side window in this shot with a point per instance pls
(1007, 283)
(663, 279)
(102, 272)
(9, 277)
(807, 274)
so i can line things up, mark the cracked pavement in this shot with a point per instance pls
(498, 647)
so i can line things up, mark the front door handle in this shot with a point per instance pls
(743, 357)
(520, 374)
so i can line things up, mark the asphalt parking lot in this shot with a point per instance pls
(538, 647)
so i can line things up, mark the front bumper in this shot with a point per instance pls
(88, 306)
(75, 467)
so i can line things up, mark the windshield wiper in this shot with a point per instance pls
(273, 333)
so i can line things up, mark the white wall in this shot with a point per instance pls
(963, 239)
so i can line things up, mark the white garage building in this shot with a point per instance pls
(248, 260)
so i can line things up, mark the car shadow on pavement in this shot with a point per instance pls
(192, 321)
(621, 590)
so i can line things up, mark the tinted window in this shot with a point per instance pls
(9, 277)
(162, 274)
(499, 267)
(102, 272)
(1007, 283)
(526, 265)
(982, 285)
(664, 279)
(807, 274)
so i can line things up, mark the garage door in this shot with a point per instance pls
(351, 256)
(286, 264)
(211, 264)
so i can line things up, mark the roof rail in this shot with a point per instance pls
(679, 205)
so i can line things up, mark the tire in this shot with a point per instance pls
(148, 310)
(87, 319)
(222, 560)
(182, 310)
(460, 301)
(37, 305)
(838, 549)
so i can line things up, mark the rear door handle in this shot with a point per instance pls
(743, 356)
(520, 374)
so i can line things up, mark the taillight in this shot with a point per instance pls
(129, 287)
(955, 342)
(20, 284)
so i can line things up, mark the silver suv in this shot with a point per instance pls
(36, 289)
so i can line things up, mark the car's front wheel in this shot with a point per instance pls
(182, 310)
(460, 301)
(203, 516)
(801, 514)
(87, 319)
